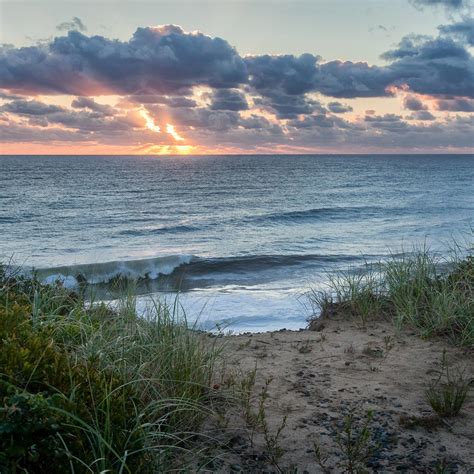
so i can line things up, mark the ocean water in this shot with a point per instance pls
(242, 237)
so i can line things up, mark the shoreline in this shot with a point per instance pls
(378, 383)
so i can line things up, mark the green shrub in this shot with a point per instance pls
(30, 432)
(98, 389)
(43, 373)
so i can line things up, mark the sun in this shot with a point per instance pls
(167, 149)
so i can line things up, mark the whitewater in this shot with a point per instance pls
(241, 238)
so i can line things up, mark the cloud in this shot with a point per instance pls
(91, 104)
(257, 122)
(387, 122)
(30, 107)
(298, 75)
(5, 96)
(91, 117)
(424, 65)
(338, 108)
(75, 24)
(458, 104)
(17, 133)
(423, 115)
(196, 117)
(450, 4)
(168, 62)
(217, 98)
(314, 121)
(229, 99)
(159, 60)
(288, 106)
(463, 30)
(170, 101)
(433, 67)
(413, 103)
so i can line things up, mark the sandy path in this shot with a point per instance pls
(318, 377)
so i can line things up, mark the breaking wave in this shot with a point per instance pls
(178, 265)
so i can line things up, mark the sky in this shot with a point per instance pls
(242, 76)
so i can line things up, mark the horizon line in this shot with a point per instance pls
(239, 154)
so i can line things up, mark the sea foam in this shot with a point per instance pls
(104, 272)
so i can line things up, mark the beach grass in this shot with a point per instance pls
(92, 387)
(418, 289)
(89, 388)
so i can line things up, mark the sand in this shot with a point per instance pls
(318, 377)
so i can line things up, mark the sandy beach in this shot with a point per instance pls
(318, 377)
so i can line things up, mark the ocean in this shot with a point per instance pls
(243, 238)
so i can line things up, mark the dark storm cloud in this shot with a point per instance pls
(75, 24)
(157, 69)
(314, 121)
(12, 132)
(154, 60)
(283, 81)
(91, 117)
(297, 75)
(338, 108)
(198, 117)
(91, 104)
(407, 46)
(291, 74)
(463, 30)
(387, 122)
(423, 115)
(288, 106)
(229, 99)
(30, 107)
(257, 122)
(426, 49)
(170, 101)
(166, 61)
(6, 96)
(413, 103)
(426, 66)
(434, 66)
(455, 105)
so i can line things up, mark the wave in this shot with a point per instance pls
(177, 266)
(159, 230)
(256, 263)
(324, 212)
(290, 217)
(105, 272)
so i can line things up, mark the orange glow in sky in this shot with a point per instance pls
(168, 149)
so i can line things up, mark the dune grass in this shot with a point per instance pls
(417, 289)
(87, 388)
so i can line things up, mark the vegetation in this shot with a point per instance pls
(84, 388)
(87, 388)
(355, 442)
(446, 395)
(417, 289)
